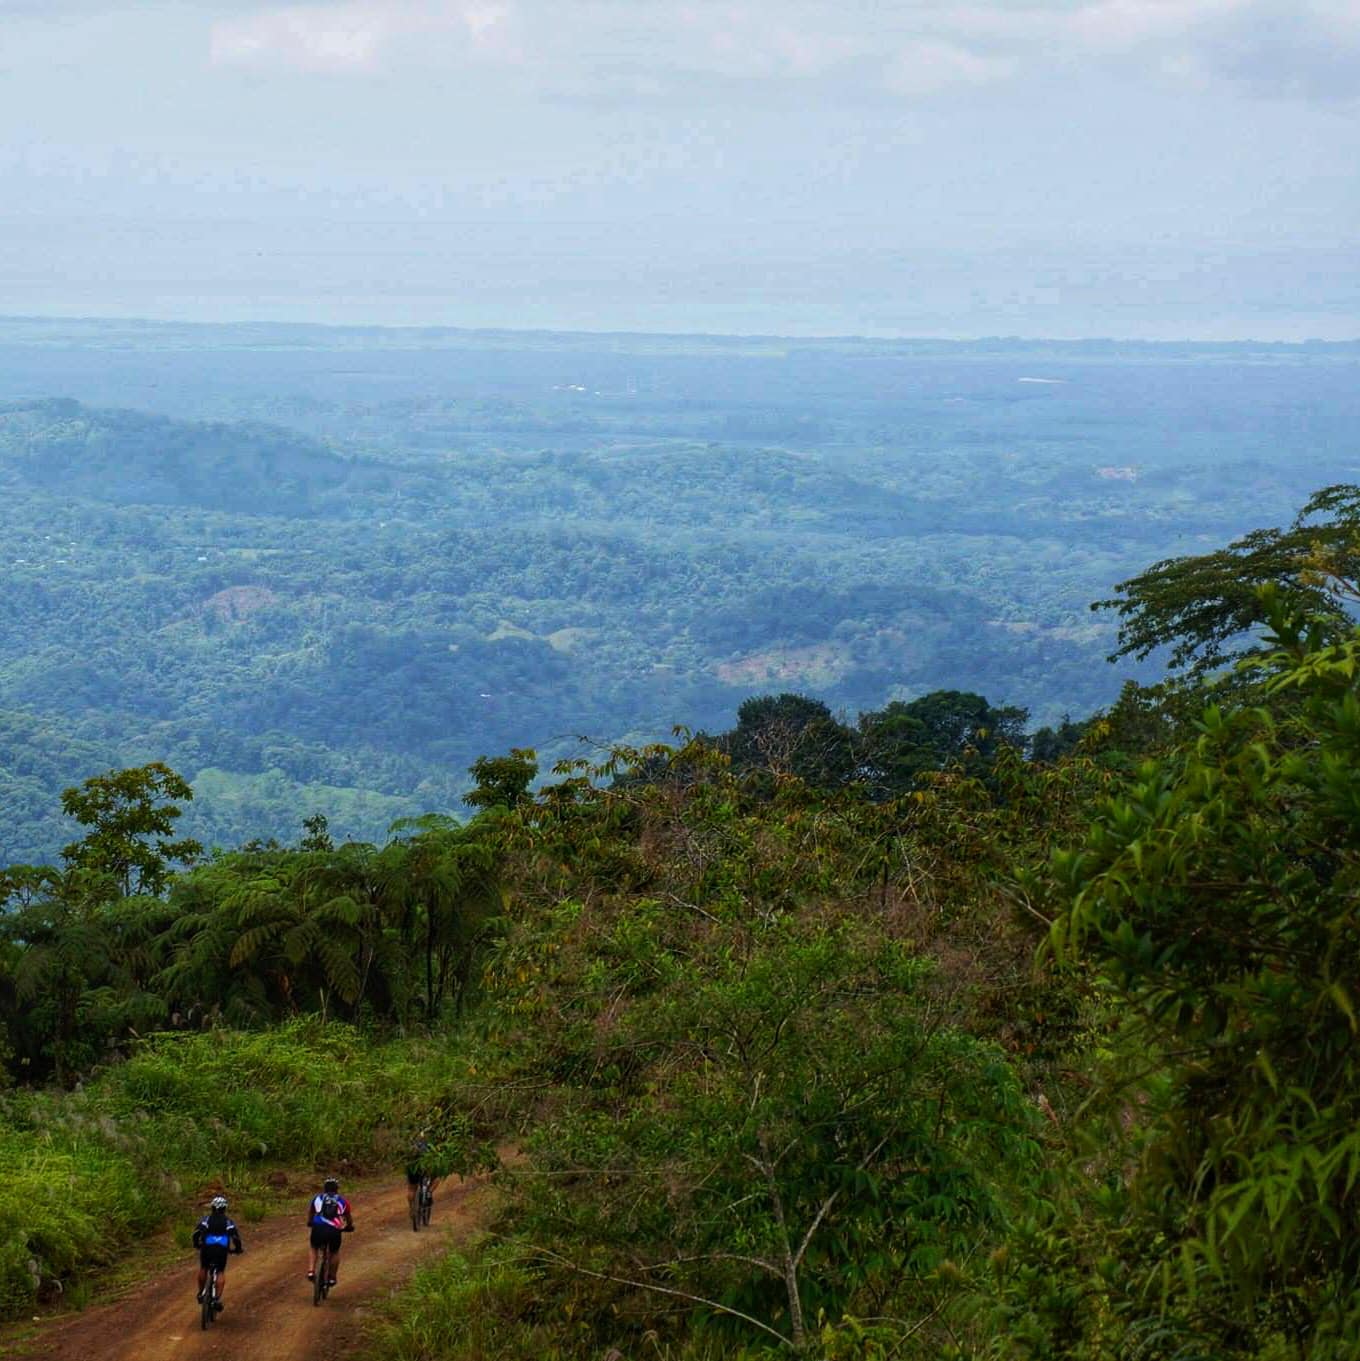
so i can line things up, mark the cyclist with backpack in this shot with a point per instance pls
(328, 1216)
(417, 1171)
(215, 1236)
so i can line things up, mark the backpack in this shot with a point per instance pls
(330, 1207)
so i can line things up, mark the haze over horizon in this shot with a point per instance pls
(1149, 169)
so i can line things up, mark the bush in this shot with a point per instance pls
(82, 1172)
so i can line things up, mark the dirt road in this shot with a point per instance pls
(269, 1314)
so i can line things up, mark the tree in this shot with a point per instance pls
(1217, 896)
(899, 743)
(82, 967)
(1208, 608)
(1049, 744)
(502, 781)
(443, 893)
(805, 1133)
(271, 932)
(791, 734)
(131, 823)
(318, 835)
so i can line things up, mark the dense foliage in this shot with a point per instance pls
(1168, 1163)
(325, 571)
(908, 1035)
(185, 1116)
(1216, 894)
(385, 934)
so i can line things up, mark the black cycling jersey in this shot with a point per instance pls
(216, 1230)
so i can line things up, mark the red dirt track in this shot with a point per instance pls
(269, 1313)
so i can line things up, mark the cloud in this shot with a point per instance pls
(353, 36)
(1298, 49)
(643, 48)
(340, 38)
(927, 66)
(1288, 49)
(894, 51)
(1125, 25)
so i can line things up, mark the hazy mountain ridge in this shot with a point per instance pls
(363, 567)
(137, 458)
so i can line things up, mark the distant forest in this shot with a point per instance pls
(327, 570)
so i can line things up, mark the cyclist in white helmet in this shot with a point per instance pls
(215, 1236)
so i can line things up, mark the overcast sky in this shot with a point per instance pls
(1031, 167)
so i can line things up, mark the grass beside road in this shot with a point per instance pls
(83, 1173)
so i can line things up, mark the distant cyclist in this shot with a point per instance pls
(328, 1216)
(417, 1170)
(215, 1236)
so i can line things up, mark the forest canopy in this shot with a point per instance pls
(326, 570)
(901, 1038)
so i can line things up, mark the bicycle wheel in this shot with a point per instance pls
(415, 1213)
(209, 1294)
(426, 1205)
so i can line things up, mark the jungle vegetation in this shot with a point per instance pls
(320, 571)
(903, 1038)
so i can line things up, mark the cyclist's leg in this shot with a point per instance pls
(314, 1241)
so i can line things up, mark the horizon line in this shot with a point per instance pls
(841, 337)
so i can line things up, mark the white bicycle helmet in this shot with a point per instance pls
(219, 1202)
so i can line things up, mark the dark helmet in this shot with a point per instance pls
(330, 1184)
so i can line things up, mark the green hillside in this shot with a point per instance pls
(879, 1040)
(355, 570)
(132, 458)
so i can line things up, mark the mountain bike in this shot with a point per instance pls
(422, 1203)
(321, 1286)
(210, 1299)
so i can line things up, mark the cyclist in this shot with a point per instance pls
(416, 1171)
(328, 1216)
(215, 1236)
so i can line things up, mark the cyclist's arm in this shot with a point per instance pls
(349, 1218)
(198, 1237)
(236, 1239)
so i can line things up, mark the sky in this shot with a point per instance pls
(1143, 168)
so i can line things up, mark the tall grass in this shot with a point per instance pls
(491, 1303)
(81, 1173)
(462, 1306)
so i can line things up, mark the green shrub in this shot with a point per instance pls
(465, 1307)
(82, 1172)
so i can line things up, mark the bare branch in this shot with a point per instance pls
(772, 1267)
(662, 1290)
(826, 1205)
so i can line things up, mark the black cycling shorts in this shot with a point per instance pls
(325, 1236)
(212, 1257)
(413, 1176)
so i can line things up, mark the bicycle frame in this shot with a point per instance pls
(209, 1315)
